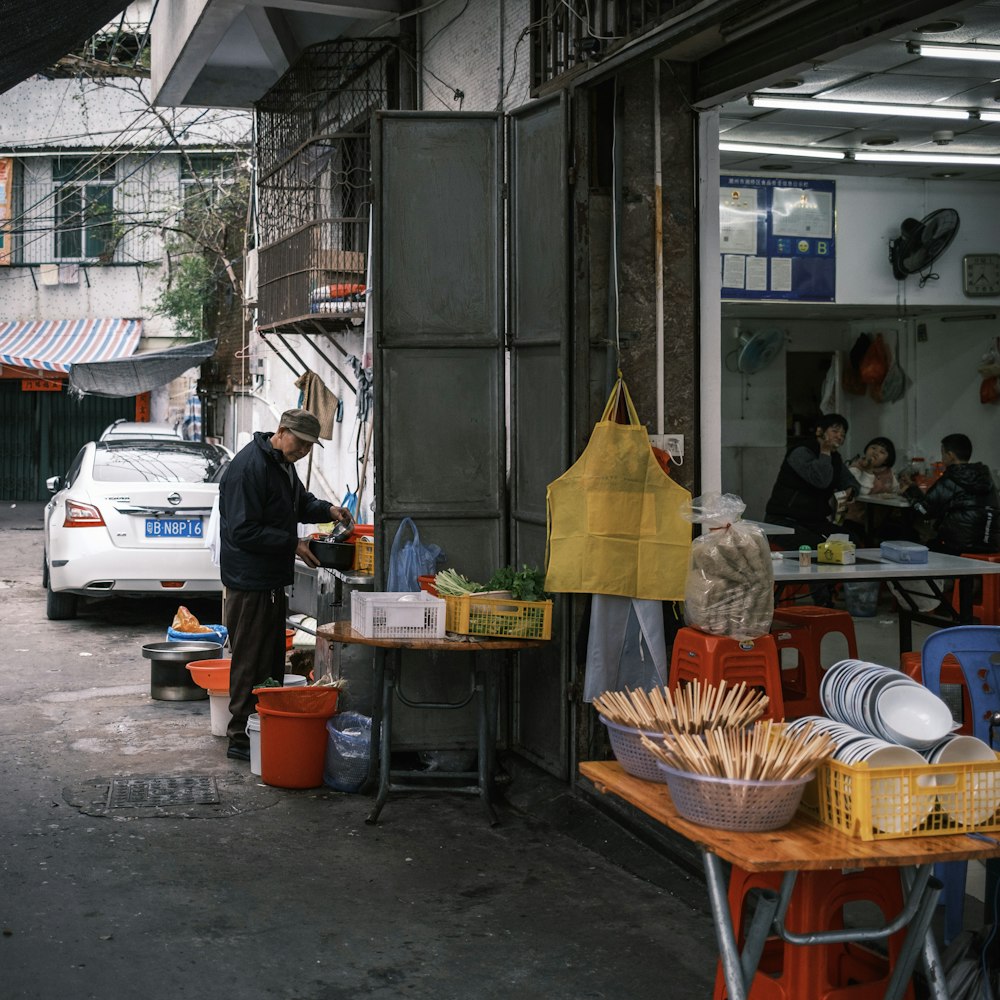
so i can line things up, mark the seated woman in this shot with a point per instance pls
(804, 496)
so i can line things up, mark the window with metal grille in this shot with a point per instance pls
(84, 201)
(205, 179)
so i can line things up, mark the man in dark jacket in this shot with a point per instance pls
(809, 479)
(261, 504)
(963, 503)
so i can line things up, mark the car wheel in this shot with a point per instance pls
(59, 607)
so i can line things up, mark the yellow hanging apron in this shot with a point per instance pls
(614, 522)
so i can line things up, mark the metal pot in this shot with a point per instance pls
(331, 554)
(342, 530)
(170, 679)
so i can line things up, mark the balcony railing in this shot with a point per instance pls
(314, 273)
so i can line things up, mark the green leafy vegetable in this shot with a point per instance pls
(525, 584)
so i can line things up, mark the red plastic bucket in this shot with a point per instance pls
(293, 734)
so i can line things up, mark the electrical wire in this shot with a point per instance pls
(586, 21)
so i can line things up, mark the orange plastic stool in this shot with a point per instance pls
(819, 972)
(714, 658)
(951, 673)
(802, 629)
(988, 608)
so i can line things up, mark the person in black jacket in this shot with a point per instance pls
(963, 503)
(261, 504)
(808, 482)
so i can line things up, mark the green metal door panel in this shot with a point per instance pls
(541, 386)
(440, 429)
(439, 219)
(443, 428)
(44, 431)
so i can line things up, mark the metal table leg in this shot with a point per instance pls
(388, 671)
(484, 687)
(732, 967)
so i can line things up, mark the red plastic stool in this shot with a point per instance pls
(951, 673)
(802, 629)
(714, 658)
(988, 608)
(819, 972)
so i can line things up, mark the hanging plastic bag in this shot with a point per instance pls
(730, 582)
(614, 524)
(411, 559)
(894, 384)
(875, 365)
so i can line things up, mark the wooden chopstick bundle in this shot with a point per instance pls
(694, 708)
(762, 752)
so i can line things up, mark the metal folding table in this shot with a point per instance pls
(805, 845)
(483, 668)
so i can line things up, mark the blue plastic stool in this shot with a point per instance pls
(975, 647)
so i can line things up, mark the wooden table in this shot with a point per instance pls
(875, 568)
(804, 845)
(388, 673)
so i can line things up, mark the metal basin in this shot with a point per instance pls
(170, 680)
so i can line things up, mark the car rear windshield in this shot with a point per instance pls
(158, 462)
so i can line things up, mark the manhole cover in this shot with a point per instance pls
(189, 791)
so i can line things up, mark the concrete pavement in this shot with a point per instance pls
(287, 894)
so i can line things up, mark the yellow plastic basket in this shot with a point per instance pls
(364, 555)
(499, 617)
(886, 803)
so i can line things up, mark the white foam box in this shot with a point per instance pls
(904, 552)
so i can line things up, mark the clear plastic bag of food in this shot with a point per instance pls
(730, 581)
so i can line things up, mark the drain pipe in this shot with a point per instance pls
(658, 245)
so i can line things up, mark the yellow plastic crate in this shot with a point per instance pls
(888, 803)
(500, 617)
(364, 555)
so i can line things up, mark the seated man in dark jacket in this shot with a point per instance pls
(809, 479)
(963, 503)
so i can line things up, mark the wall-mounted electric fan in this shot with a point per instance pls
(758, 350)
(919, 244)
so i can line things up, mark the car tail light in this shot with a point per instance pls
(172, 583)
(82, 515)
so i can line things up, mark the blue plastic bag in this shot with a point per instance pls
(408, 560)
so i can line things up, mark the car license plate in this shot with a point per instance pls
(173, 527)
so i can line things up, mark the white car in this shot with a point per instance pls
(123, 428)
(129, 518)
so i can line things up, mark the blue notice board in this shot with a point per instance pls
(777, 238)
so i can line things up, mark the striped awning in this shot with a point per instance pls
(55, 345)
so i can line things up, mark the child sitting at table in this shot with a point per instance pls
(873, 471)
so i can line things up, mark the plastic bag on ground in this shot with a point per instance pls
(730, 581)
(348, 751)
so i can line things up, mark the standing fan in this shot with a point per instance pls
(758, 350)
(919, 244)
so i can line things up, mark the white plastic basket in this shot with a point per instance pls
(397, 616)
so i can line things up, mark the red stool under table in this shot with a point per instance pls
(819, 972)
(714, 658)
(802, 629)
(987, 610)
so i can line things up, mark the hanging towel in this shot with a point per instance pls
(626, 648)
(69, 274)
(49, 274)
(318, 399)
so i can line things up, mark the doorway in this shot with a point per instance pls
(811, 388)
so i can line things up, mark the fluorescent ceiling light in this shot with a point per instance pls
(966, 159)
(941, 50)
(989, 116)
(756, 147)
(855, 107)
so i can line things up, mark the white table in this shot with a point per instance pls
(771, 529)
(937, 565)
